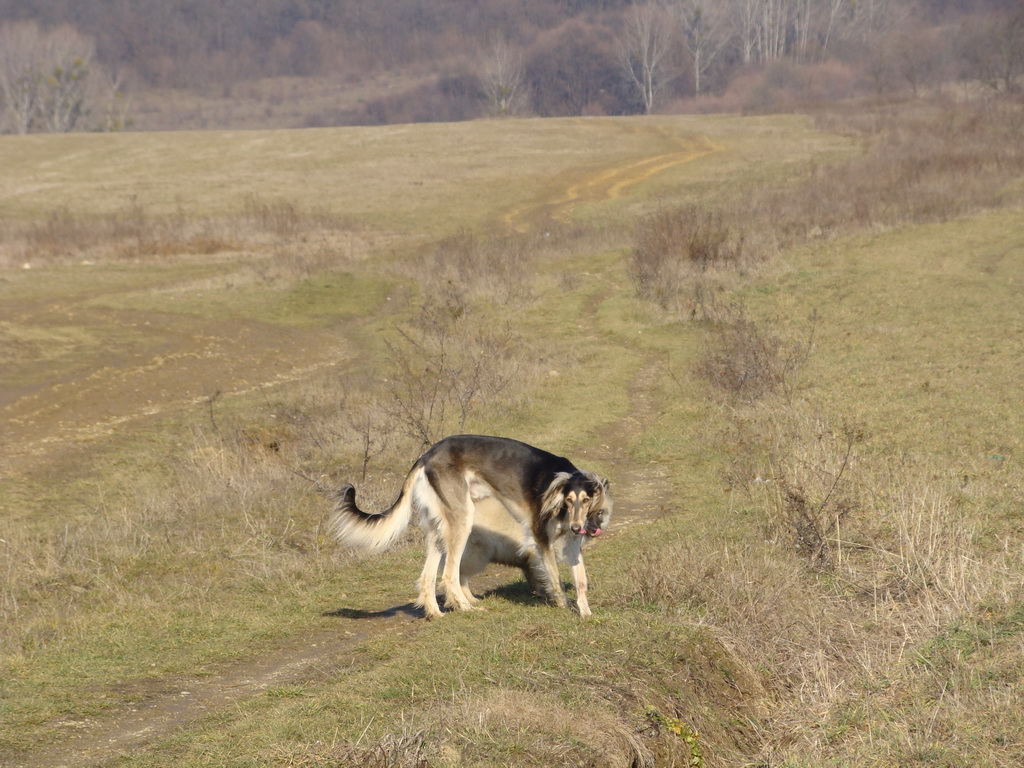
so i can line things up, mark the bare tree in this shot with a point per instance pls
(706, 32)
(21, 73)
(871, 19)
(832, 16)
(745, 15)
(110, 85)
(644, 49)
(503, 79)
(68, 55)
(993, 50)
(773, 27)
(44, 76)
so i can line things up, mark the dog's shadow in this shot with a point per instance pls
(407, 609)
(518, 592)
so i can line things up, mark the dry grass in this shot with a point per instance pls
(850, 599)
(136, 233)
(871, 549)
(745, 360)
(924, 162)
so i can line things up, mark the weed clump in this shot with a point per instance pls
(673, 248)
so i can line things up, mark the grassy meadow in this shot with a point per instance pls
(793, 344)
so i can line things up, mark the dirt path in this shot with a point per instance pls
(191, 359)
(122, 366)
(154, 709)
(607, 183)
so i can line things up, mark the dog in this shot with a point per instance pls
(497, 538)
(543, 492)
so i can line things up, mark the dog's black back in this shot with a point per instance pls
(493, 457)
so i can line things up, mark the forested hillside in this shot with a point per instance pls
(115, 64)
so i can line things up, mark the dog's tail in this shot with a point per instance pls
(351, 526)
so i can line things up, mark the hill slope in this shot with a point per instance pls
(788, 572)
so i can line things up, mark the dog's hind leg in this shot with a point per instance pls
(428, 578)
(456, 534)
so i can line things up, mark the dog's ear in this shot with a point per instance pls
(554, 497)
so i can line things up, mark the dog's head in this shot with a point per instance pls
(583, 498)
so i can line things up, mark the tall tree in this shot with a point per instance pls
(68, 56)
(21, 73)
(706, 29)
(643, 50)
(503, 79)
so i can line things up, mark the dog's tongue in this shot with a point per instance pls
(596, 532)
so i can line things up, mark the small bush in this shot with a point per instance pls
(747, 361)
(671, 246)
(465, 266)
(134, 232)
(443, 369)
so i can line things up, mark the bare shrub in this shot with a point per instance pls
(810, 495)
(466, 266)
(891, 530)
(393, 751)
(541, 726)
(922, 545)
(929, 161)
(134, 231)
(279, 217)
(760, 598)
(443, 368)
(745, 360)
(672, 247)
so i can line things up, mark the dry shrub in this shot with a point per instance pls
(810, 487)
(399, 750)
(925, 161)
(542, 730)
(674, 249)
(745, 360)
(227, 517)
(465, 267)
(902, 569)
(134, 232)
(864, 555)
(394, 751)
(128, 233)
(890, 529)
(762, 600)
(784, 85)
(444, 368)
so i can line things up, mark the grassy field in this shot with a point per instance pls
(792, 344)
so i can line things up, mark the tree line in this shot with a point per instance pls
(66, 65)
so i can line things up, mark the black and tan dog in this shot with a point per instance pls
(548, 496)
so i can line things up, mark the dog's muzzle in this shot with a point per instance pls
(589, 530)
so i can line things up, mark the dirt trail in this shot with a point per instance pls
(154, 709)
(192, 359)
(608, 183)
(134, 365)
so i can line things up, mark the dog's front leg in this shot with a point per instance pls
(574, 553)
(552, 577)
